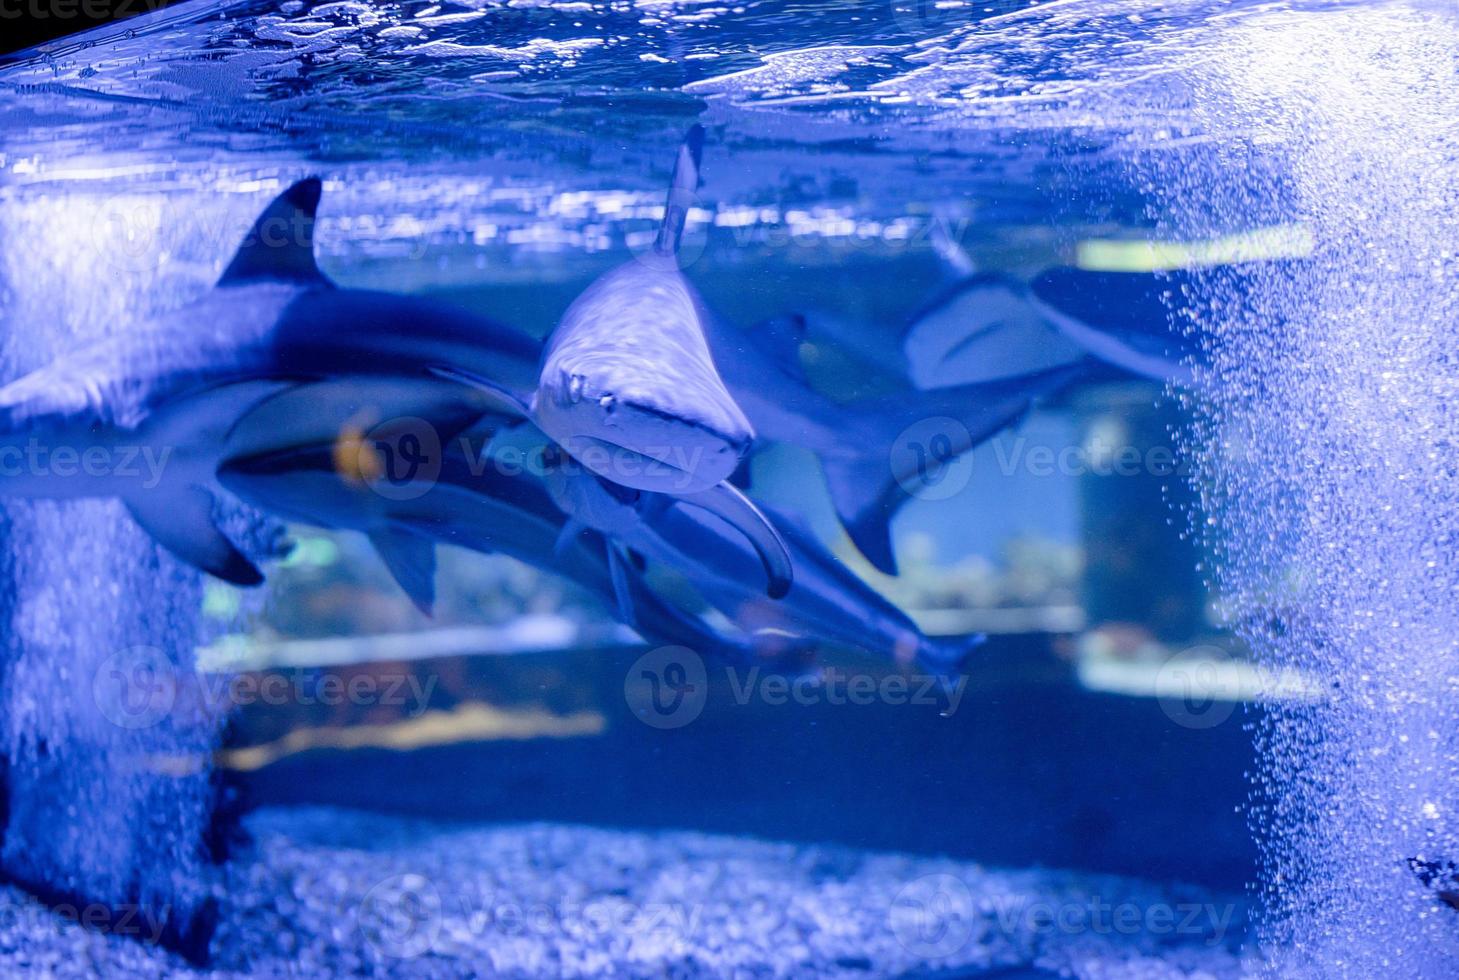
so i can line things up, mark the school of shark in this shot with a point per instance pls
(635, 419)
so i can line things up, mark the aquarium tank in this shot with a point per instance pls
(667, 488)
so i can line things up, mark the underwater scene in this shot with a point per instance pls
(672, 488)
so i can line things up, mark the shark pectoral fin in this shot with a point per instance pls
(567, 537)
(618, 569)
(729, 504)
(866, 497)
(412, 563)
(183, 524)
(506, 400)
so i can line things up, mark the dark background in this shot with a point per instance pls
(26, 23)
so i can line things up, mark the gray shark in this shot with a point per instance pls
(479, 502)
(629, 388)
(173, 389)
(628, 384)
(827, 601)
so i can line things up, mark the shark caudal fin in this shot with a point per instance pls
(681, 193)
(280, 246)
(902, 443)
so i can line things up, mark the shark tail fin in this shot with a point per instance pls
(901, 446)
(681, 193)
(280, 246)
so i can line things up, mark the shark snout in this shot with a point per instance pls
(638, 441)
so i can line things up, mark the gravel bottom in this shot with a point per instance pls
(336, 893)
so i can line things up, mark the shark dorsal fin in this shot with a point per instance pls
(280, 247)
(681, 192)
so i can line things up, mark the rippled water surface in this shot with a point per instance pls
(546, 127)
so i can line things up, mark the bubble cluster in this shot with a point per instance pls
(1325, 436)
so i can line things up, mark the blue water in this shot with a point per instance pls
(502, 154)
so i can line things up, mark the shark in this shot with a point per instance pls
(628, 384)
(494, 501)
(828, 602)
(175, 388)
(630, 389)
(986, 324)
